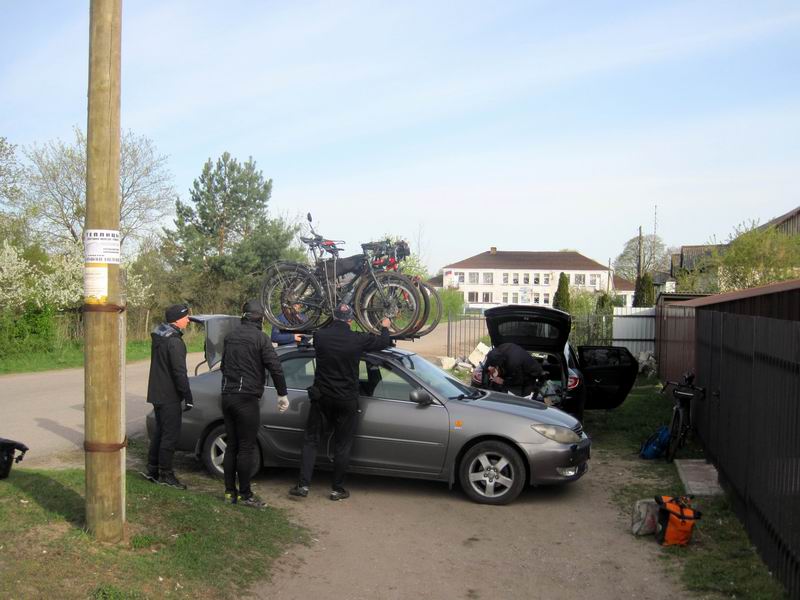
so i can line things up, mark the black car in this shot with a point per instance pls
(594, 377)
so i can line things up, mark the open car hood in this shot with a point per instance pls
(216, 327)
(535, 328)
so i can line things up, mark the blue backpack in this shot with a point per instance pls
(656, 445)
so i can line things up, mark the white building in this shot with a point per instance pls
(498, 277)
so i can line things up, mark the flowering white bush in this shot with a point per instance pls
(62, 286)
(16, 277)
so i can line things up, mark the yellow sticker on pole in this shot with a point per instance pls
(95, 283)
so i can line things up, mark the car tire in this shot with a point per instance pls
(491, 472)
(214, 452)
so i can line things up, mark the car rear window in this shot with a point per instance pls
(527, 329)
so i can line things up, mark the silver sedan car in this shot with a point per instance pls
(415, 420)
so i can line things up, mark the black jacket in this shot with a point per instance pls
(518, 368)
(338, 350)
(247, 351)
(168, 380)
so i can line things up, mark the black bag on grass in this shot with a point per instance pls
(7, 450)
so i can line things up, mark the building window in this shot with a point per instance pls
(547, 299)
(536, 279)
(547, 278)
(515, 298)
(515, 279)
(580, 279)
(459, 275)
(505, 297)
(472, 297)
(536, 297)
(505, 278)
(593, 279)
(473, 278)
(487, 297)
(488, 278)
(526, 278)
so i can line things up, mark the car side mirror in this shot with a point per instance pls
(421, 397)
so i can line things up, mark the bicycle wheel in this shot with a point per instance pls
(394, 297)
(435, 313)
(425, 307)
(675, 433)
(293, 298)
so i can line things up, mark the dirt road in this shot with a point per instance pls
(45, 410)
(397, 539)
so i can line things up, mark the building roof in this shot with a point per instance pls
(623, 285)
(556, 261)
(763, 290)
(778, 221)
(436, 281)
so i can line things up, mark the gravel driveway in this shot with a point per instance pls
(399, 538)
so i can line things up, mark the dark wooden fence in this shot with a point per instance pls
(749, 423)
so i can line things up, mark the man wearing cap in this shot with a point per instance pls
(334, 395)
(167, 387)
(246, 354)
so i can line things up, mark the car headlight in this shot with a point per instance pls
(557, 433)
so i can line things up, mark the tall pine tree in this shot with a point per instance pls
(561, 299)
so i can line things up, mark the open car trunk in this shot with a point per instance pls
(216, 328)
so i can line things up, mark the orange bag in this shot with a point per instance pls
(676, 519)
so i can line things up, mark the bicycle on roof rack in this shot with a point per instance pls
(298, 297)
(681, 425)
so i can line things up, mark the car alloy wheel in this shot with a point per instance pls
(492, 473)
(214, 449)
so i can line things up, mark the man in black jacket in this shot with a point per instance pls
(334, 395)
(247, 352)
(167, 386)
(512, 369)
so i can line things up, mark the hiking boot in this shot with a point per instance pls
(252, 501)
(300, 491)
(151, 474)
(339, 494)
(168, 478)
(231, 497)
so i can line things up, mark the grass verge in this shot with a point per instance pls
(182, 544)
(70, 355)
(720, 561)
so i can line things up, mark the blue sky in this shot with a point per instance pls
(536, 125)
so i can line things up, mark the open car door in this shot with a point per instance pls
(608, 374)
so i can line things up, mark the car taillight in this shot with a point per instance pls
(572, 382)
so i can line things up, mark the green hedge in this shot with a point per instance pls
(34, 330)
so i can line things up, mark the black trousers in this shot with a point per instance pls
(343, 416)
(165, 435)
(242, 418)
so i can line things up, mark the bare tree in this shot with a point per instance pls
(54, 187)
(655, 257)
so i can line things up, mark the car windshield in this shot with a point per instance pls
(444, 384)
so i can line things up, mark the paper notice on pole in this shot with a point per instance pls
(95, 283)
(101, 246)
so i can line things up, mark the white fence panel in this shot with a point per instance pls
(635, 329)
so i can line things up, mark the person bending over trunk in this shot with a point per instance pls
(512, 369)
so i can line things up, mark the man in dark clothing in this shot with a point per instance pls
(512, 369)
(247, 352)
(334, 395)
(167, 386)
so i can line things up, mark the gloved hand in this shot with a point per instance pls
(283, 403)
(187, 405)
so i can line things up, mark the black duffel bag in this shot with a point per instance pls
(8, 449)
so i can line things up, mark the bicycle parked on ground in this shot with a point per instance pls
(297, 297)
(681, 424)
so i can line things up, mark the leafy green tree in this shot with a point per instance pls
(644, 294)
(756, 256)
(452, 303)
(10, 171)
(582, 302)
(224, 238)
(561, 298)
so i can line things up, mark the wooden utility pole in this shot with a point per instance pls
(103, 302)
